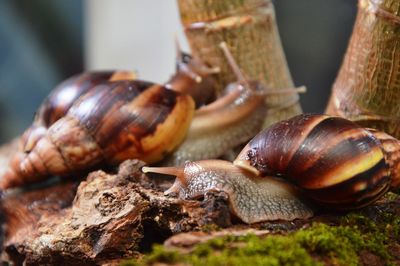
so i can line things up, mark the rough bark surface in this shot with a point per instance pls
(106, 218)
(367, 88)
(250, 31)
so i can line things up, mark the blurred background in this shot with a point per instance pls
(43, 42)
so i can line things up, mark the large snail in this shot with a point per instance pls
(331, 160)
(115, 120)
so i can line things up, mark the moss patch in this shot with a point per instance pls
(316, 245)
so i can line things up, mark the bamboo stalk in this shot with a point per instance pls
(250, 31)
(367, 88)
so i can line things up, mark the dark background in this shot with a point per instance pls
(41, 43)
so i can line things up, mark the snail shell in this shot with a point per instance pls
(60, 100)
(109, 123)
(333, 160)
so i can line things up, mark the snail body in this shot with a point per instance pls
(330, 160)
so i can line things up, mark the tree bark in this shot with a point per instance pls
(250, 31)
(367, 88)
(109, 217)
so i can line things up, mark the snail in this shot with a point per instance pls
(331, 161)
(228, 122)
(119, 120)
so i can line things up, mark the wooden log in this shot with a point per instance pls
(111, 217)
(367, 88)
(23, 211)
(250, 31)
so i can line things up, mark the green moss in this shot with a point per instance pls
(158, 254)
(395, 228)
(338, 244)
(210, 228)
(249, 250)
(391, 196)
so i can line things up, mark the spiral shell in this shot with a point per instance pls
(333, 160)
(60, 100)
(64, 95)
(109, 123)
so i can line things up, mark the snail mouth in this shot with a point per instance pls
(245, 165)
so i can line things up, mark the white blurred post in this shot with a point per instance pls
(134, 35)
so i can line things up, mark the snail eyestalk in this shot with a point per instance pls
(301, 89)
(175, 171)
(245, 165)
(249, 85)
(179, 172)
(178, 49)
(232, 62)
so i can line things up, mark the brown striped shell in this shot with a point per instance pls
(57, 104)
(109, 123)
(64, 95)
(333, 160)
